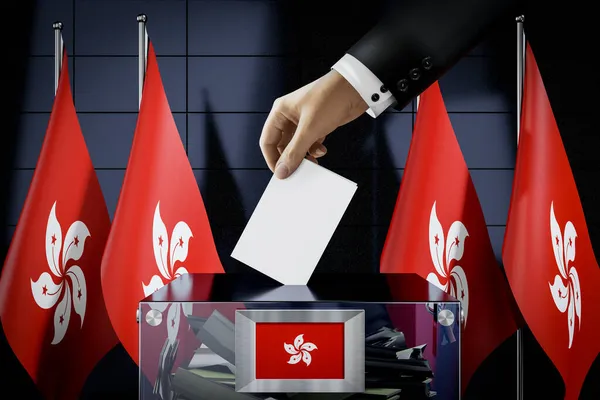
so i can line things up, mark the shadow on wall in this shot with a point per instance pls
(11, 373)
(350, 151)
(18, 50)
(221, 195)
(227, 205)
(387, 175)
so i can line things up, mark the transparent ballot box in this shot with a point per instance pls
(342, 336)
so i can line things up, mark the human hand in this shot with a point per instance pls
(299, 122)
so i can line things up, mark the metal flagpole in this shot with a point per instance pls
(520, 69)
(58, 52)
(142, 56)
(142, 53)
(520, 75)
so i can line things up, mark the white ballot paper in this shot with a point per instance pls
(293, 222)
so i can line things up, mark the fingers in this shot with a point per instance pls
(286, 137)
(272, 135)
(311, 158)
(295, 151)
(317, 150)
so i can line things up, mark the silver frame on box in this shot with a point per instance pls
(354, 351)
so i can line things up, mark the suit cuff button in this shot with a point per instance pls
(414, 74)
(427, 64)
(402, 85)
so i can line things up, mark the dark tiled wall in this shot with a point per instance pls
(223, 63)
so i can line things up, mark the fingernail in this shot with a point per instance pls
(320, 152)
(281, 171)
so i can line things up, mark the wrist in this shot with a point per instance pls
(355, 104)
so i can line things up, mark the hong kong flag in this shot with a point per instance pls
(51, 302)
(160, 229)
(439, 232)
(319, 346)
(557, 289)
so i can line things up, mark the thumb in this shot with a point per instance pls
(294, 152)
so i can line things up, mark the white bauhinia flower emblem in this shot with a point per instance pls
(168, 251)
(52, 288)
(450, 279)
(299, 350)
(565, 290)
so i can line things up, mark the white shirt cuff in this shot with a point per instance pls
(366, 84)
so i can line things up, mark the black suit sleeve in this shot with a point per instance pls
(420, 40)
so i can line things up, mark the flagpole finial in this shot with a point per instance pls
(142, 52)
(58, 52)
(520, 18)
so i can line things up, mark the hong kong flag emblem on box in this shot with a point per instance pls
(300, 351)
(310, 350)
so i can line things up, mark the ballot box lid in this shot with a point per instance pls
(322, 287)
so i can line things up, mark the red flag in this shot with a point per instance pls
(50, 294)
(438, 231)
(319, 346)
(160, 222)
(557, 290)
